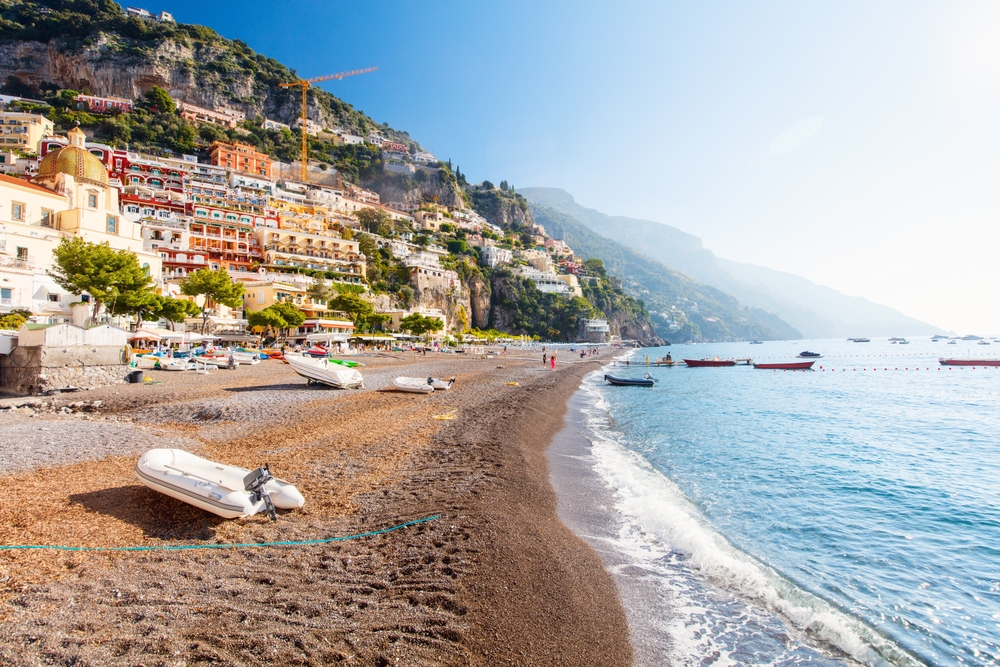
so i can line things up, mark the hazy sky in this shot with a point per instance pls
(854, 143)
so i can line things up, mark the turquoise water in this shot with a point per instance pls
(851, 515)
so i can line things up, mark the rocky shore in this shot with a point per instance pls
(496, 579)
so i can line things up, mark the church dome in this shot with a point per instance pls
(74, 160)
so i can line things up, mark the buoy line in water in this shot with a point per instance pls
(245, 545)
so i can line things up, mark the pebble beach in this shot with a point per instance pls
(490, 577)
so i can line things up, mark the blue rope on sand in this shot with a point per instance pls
(182, 547)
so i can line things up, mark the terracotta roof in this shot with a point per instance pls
(25, 184)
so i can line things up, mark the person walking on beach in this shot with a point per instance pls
(545, 358)
(553, 360)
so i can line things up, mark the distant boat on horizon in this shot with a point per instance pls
(756, 342)
(860, 340)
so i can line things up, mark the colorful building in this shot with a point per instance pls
(240, 157)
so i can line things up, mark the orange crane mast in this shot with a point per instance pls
(304, 85)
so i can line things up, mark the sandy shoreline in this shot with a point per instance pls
(498, 579)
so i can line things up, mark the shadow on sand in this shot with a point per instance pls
(159, 516)
(294, 386)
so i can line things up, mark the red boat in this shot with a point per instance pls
(696, 363)
(790, 366)
(969, 362)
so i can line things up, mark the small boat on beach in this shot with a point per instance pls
(709, 363)
(225, 490)
(646, 380)
(787, 366)
(809, 355)
(969, 362)
(414, 385)
(322, 372)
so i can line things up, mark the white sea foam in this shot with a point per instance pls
(669, 537)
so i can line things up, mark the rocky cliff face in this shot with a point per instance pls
(631, 327)
(456, 307)
(504, 209)
(205, 74)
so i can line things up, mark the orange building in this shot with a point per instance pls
(241, 157)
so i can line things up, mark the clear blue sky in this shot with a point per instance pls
(853, 143)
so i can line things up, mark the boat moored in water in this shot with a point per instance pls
(969, 362)
(809, 355)
(787, 366)
(646, 380)
(709, 363)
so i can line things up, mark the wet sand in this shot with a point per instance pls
(497, 579)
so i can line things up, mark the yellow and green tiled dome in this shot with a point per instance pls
(75, 160)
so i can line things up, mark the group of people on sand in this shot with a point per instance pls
(551, 360)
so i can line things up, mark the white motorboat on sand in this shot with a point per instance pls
(226, 490)
(325, 372)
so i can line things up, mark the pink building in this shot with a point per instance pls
(96, 104)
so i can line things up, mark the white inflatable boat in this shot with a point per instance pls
(214, 487)
(325, 372)
(440, 384)
(414, 385)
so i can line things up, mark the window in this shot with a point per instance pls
(112, 224)
(53, 298)
(48, 218)
(22, 254)
(92, 200)
(17, 211)
(6, 294)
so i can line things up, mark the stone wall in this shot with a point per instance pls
(37, 369)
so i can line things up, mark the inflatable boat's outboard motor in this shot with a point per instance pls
(254, 483)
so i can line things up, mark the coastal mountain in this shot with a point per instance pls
(681, 308)
(813, 310)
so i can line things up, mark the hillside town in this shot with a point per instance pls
(239, 211)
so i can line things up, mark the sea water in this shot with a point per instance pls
(845, 515)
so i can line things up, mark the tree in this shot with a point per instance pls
(159, 100)
(375, 220)
(319, 291)
(290, 313)
(405, 295)
(267, 321)
(217, 288)
(504, 186)
(12, 321)
(418, 324)
(595, 266)
(109, 276)
(177, 310)
(487, 185)
(352, 304)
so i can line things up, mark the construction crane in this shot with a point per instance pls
(304, 85)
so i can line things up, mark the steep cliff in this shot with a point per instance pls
(93, 46)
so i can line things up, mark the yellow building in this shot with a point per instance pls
(305, 240)
(69, 197)
(24, 131)
(260, 294)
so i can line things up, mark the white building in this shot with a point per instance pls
(494, 256)
(269, 124)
